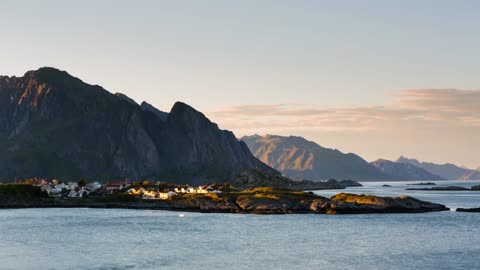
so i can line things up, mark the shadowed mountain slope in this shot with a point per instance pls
(403, 171)
(447, 171)
(54, 125)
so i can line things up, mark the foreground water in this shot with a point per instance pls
(144, 239)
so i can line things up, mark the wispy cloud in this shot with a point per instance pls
(421, 108)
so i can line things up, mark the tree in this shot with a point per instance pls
(146, 183)
(82, 183)
(163, 186)
(227, 187)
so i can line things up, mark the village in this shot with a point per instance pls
(147, 190)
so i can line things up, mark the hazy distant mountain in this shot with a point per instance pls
(404, 171)
(447, 171)
(55, 125)
(299, 158)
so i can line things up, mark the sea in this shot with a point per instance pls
(146, 239)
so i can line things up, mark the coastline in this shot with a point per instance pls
(253, 202)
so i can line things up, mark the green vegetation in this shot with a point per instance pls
(21, 191)
(359, 199)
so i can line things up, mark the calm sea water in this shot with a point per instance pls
(144, 239)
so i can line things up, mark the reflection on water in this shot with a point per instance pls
(145, 239)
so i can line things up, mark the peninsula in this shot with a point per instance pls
(262, 200)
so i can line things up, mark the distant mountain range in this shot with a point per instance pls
(446, 171)
(299, 158)
(404, 171)
(296, 157)
(54, 125)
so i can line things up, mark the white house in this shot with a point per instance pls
(72, 185)
(61, 186)
(166, 195)
(94, 186)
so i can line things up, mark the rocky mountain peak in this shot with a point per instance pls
(126, 98)
(404, 171)
(50, 75)
(411, 161)
(185, 115)
(145, 106)
(55, 125)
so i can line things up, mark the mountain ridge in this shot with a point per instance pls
(53, 124)
(448, 170)
(297, 157)
(404, 171)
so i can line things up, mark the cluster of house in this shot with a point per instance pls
(155, 193)
(56, 188)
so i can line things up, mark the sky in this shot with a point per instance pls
(377, 78)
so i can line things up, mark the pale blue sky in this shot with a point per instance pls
(216, 54)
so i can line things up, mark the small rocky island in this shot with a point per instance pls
(449, 188)
(248, 179)
(477, 210)
(422, 184)
(264, 200)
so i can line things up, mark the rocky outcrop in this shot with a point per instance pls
(350, 183)
(255, 201)
(253, 178)
(298, 158)
(354, 204)
(403, 171)
(477, 187)
(473, 210)
(54, 125)
(449, 188)
(422, 184)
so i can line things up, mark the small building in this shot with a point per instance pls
(166, 195)
(61, 186)
(116, 185)
(72, 185)
(136, 192)
(94, 186)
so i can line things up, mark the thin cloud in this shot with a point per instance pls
(418, 108)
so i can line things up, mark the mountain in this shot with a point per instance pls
(54, 125)
(296, 157)
(446, 171)
(404, 171)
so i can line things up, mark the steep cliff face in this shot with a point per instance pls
(403, 171)
(297, 157)
(55, 125)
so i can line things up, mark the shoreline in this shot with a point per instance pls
(218, 211)
(266, 202)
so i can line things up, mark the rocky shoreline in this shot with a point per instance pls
(470, 210)
(256, 201)
(449, 188)
(248, 179)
